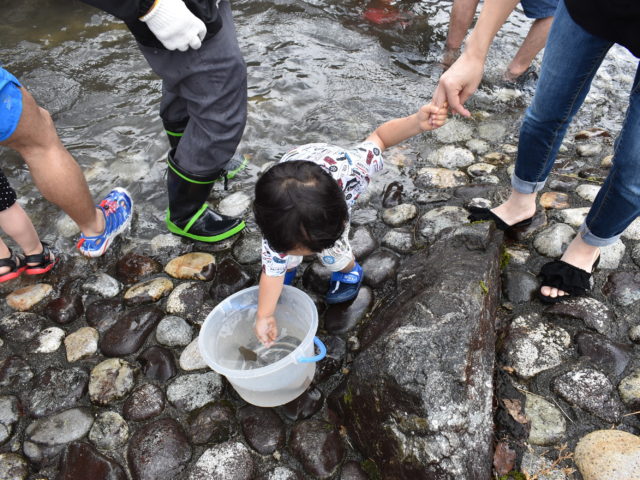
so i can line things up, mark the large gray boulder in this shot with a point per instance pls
(418, 398)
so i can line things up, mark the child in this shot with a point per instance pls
(302, 207)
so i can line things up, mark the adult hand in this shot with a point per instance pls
(458, 83)
(175, 26)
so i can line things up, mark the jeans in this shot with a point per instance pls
(572, 57)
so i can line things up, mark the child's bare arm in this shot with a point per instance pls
(266, 328)
(428, 117)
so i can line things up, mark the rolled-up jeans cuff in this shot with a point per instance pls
(522, 186)
(593, 240)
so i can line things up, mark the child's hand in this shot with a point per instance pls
(431, 117)
(266, 330)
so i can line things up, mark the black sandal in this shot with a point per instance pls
(481, 214)
(44, 261)
(564, 276)
(16, 265)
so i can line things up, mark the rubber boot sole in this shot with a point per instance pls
(173, 228)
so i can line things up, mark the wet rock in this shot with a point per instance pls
(9, 415)
(534, 346)
(352, 471)
(593, 313)
(14, 371)
(451, 157)
(111, 380)
(317, 446)
(363, 216)
(362, 242)
(57, 389)
(632, 232)
(612, 357)
(454, 131)
(227, 461)
(611, 255)
(534, 462)
(588, 192)
(477, 146)
(434, 221)
(399, 215)
(192, 266)
(607, 162)
(20, 327)
(591, 173)
(132, 267)
(589, 149)
(145, 402)
(262, 428)
(519, 286)
(229, 280)
(548, 425)
(629, 390)
(440, 178)
(103, 314)
(13, 467)
(425, 198)
(27, 297)
(487, 180)
(392, 195)
(497, 158)
(81, 461)
(478, 203)
(480, 169)
(516, 256)
(281, 473)
(554, 200)
(102, 284)
(174, 331)
(305, 406)
(634, 334)
(186, 300)
(539, 221)
(191, 359)
(380, 267)
(234, 205)
(109, 431)
(211, 424)
(608, 455)
(336, 353)
(553, 241)
(131, 330)
(46, 437)
(48, 340)
(491, 131)
(591, 133)
(82, 343)
(623, 288)
(157, 364)
(195, 390)
(247, 250)
(148, 292)
(56, 97)
(398, 240)
(590, 390)
(572, 216)
(65, 309)
(562, 185)
(343, 317)
(166, 242)
(316, 277)
(158, 451)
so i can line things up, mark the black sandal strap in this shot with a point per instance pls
(479, 214)
(42, 259)
(565, 277)
(13, 261)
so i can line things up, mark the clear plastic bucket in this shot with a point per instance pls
(228, 345)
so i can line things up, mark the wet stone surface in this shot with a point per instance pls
(213, 423)
(317, 446)
(157, 364)
(81, 461)
(66, 309)
(132, 268)
(130, 331)
(57, 389)
(344, 317)
(263, 429)
(145, 402)
(230, 278)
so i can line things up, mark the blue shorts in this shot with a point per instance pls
(10, 104)
(539, 8)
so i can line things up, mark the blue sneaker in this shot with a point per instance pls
(290, 276)
(116, 208)
(345, 286)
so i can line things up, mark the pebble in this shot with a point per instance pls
(534, 462)
(165, 241)
(553, 241)
(174, 331)
(477, 146)
(451, 157)
(131, 330)
(454, 131)
(519, 286)
(248, 249)
(13, 466)
(157, 364)
(517, 256)
(194, 390)
(213, 423)
(480, 169)
(81, 462)
(572, 216)
(634, 334)
(148, 292)
(608, 455)
(186, 300)
(82, 343)
(593, 313)
(109, 431)
(440, 178)
(103, 314)
(364, 216)
(362, 242)
(27, 297)
(629, 390)
(9, 415)
(65, 309)
(145, 402)
(111, 380)
(534, 346)
(226, 461)
(399, 241)
(548, 424)
(102, 284)
(399, 215)
(191, 359)
(132, 268)
(262, 428)
(434, 221)
(380, 267)
(623, 288)
(611, 357)
(611, 256)
(497, 158)
(589, 149)
(317, 445)
(234, 205)
(230, 279)
(282, 473)
(491, 131)
(607, 161)
(556, 200)
(588, 192)
(20, 327)
(192, 266)
(57, 389)
(14, 371)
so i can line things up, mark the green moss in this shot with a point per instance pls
(505, 258)
(371, 469)
(348, 397)
(513, 475)
(483, 287)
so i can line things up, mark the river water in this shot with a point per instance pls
(318, 71)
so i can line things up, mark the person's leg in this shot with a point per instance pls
(462, 13)
(531, 46)
(570, 61)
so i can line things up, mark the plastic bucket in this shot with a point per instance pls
(229, 327)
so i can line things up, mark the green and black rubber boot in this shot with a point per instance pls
(189, 215)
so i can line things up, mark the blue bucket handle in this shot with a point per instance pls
(317, 358)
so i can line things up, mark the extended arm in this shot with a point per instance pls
(269, 292)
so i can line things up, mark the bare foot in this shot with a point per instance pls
(578, 254)
(517, 208)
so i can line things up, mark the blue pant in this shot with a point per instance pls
(571, 59)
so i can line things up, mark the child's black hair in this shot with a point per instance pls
(298, 204)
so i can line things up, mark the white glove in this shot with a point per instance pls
(175, 26)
